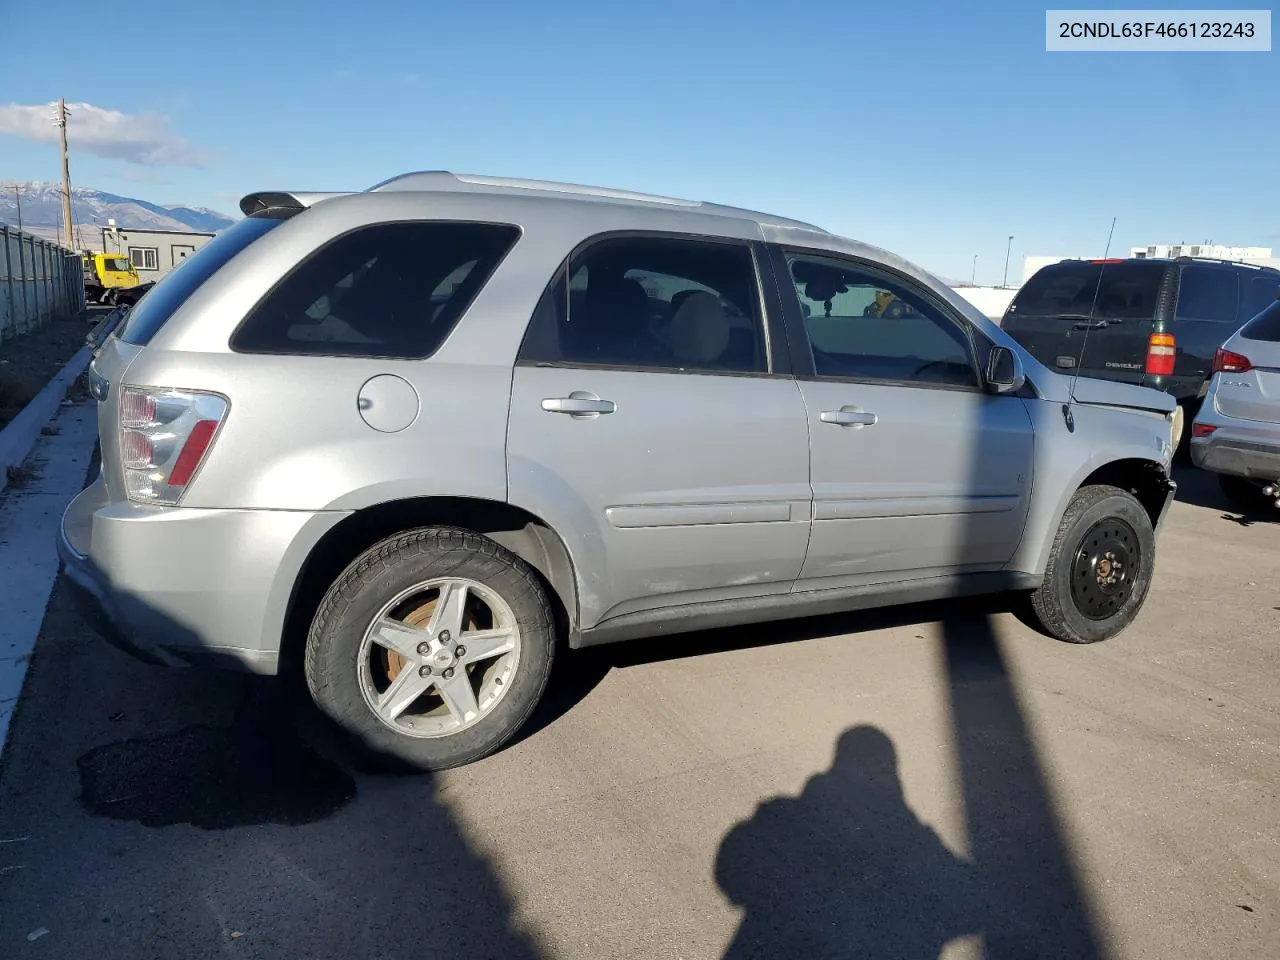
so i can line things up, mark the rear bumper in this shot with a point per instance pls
(184, 587)
(1241, 448)
(1235, 456)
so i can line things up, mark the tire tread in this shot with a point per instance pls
(1048, 601)
(440, 541)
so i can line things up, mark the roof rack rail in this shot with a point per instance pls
(1234, 263)
(446, 180)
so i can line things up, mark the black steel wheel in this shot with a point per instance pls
(1105, 569)
(1099, 567)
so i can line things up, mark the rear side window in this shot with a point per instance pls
(160, 302)
(1127, 289)
(1206, 293)
(1260, 294)
(387, 290)
(1265, 326)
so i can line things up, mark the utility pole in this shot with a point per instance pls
(1007, 251)
(60, 121)
(17, 196)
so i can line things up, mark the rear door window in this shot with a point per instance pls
(1207, 293)
(385, 290)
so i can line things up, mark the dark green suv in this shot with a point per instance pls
(1154, 322)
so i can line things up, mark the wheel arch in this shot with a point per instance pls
(517, 530)
(1147, 479)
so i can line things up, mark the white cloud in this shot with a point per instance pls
(144, 139)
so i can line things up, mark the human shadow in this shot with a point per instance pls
(847, 869)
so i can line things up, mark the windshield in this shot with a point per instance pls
(162, 300)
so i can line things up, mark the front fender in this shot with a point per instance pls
(1067, 456)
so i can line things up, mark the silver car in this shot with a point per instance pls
(417, 439)
(1237, 432)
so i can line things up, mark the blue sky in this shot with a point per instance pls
(936, 130)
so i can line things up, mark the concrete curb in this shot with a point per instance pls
(19, 436)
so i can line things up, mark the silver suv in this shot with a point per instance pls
(418, 437)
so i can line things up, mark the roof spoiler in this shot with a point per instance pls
(281, 200)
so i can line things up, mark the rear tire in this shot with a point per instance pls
(449, 706)
(1245, 495)
(1099, 569)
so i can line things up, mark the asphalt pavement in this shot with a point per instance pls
(937, 780)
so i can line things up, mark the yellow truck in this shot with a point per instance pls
(105, 274)
(888, 305)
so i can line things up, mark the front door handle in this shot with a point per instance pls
(578, 406)
(849, 418)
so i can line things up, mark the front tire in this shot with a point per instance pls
(1099, 568)
(432, 648)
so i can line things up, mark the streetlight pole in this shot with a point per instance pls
(973, 277)
(1007, 250)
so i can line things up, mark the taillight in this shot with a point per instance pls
(1202, 429)
(1162, 349)
(164, 437)
(1224, 361)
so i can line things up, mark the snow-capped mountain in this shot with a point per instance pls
(42, 210)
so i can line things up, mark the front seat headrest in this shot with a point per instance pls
(700, 329)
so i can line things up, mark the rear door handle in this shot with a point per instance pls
(578, 406)
(849, 418)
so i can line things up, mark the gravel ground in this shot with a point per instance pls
(30, 361)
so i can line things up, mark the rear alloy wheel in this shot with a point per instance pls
(432, 649)
(1099, 568)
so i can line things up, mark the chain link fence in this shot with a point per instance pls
(38, 280)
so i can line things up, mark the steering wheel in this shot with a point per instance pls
(925, 366)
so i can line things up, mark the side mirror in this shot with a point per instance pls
(1004, 371)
